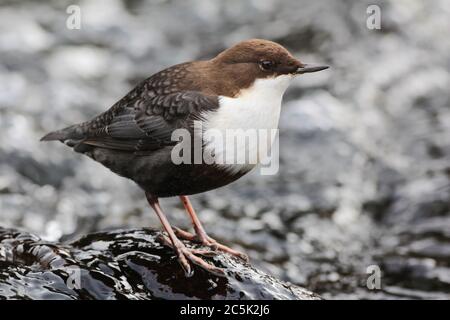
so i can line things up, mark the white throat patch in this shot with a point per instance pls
(257, 108)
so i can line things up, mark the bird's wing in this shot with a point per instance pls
(143, 122)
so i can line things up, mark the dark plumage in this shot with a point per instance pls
(133, 137)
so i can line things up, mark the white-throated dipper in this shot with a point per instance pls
(242, 87)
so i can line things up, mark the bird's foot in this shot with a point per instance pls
(206, 240)
(186, 254)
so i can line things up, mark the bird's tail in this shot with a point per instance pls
(74, 132)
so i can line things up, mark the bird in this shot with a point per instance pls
(240, 88)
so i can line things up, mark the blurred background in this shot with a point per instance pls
(365, 146)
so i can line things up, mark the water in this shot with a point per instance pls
(364, 164)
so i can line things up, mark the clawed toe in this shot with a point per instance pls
(185, 235)
(207, 241)
(228, 250)
(191, 255)
(165, 240)
(184, 254)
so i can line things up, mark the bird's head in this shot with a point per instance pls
(255, 59)
(265, 58)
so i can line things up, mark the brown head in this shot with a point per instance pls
(239, 66)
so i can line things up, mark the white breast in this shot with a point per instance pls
(256, 108)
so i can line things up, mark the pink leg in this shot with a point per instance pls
(181, 250)
(201, 235)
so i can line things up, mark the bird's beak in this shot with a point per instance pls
(307, 68)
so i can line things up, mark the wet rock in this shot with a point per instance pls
(124, 264)
(364, 147)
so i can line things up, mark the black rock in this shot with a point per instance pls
(124, 264)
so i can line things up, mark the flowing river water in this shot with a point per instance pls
(363, 183)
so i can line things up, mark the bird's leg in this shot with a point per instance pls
(201, 235)
(184, 253)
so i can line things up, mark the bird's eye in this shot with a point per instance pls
(266, 64)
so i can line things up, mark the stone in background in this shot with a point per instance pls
(364, 164)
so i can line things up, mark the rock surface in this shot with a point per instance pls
(364, 173)
(124, 264)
